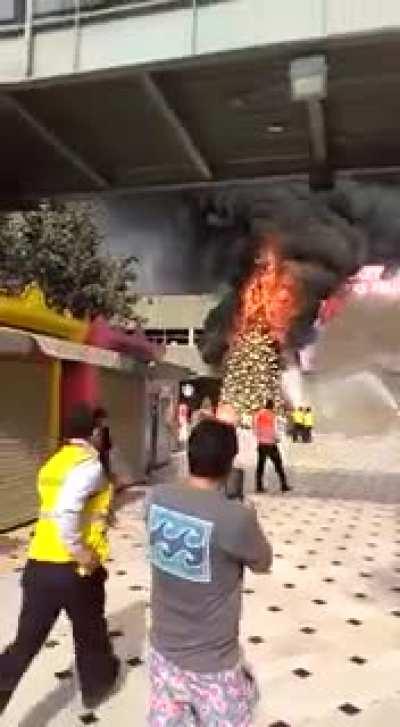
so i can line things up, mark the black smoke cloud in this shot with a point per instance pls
(208, 242)
(328, 236)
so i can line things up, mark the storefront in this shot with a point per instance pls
(28, 422)
(42, 376)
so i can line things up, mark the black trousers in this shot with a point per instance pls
(234, 485)
(298, 432)
(269, 451)
(48, 589)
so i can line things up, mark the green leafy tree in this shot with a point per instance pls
(60, 247)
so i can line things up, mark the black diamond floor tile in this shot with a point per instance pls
(396, 613)
(302, 567)
(89, 718)
(308, 630)
(51, 644)
(329, 580)
(360, 595)
(115, 634)
(337, 562)
(248, 591)
(302, 673)
(121, 572)
(136, 588)
(354, 622)
(319, 602)
(135, 661)
(274, 609)
(358, 660)
(289, 585)
(363, 574)
(350, 709)
(256, 640)
(279, 724)
(66, 674)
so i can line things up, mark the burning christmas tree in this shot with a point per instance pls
(268, 305)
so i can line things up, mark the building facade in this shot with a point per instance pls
(177, 322)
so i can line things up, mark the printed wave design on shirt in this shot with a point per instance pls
(180, 544)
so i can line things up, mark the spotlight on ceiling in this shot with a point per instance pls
(275, 128)
(308, 78)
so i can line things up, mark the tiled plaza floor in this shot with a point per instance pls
(322, 631)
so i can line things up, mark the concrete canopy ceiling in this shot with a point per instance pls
(211, 121)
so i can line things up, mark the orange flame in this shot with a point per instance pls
(270, 299)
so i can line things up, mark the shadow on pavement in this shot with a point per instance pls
(128, 627)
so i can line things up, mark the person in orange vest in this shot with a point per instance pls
(65, 567)
(265, 430)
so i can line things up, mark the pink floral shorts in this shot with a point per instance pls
(189, 699)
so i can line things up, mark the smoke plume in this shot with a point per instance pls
(326, 238)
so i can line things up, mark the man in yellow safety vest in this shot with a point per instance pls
(65, 566)
(298, 424)
(308, 425)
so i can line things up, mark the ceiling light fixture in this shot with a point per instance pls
(275, 128)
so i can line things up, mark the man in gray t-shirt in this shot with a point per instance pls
(199, 545)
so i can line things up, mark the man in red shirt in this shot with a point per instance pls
(265, 430)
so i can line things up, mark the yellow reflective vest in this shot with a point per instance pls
(47, 544)
(298, 417)
(309, 419)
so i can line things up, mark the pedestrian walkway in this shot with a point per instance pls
(322, 631)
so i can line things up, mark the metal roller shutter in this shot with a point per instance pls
(123, 396)
(24, 437)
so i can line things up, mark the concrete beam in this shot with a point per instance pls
(52, 140)
(27, 200)
(316, 120)
(321, 175)
(168, 113)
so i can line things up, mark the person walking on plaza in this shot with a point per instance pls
(265, 429)
(298, 424)
(200, 543)
(308, 425)
(65, 566)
